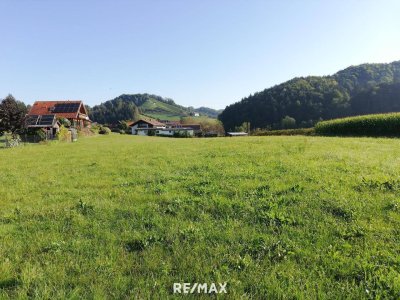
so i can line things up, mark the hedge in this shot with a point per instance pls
(367, 125)
(298, 131)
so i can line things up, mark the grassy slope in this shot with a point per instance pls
(119, 216)
(161, 110)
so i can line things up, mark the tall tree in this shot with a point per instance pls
(288, 122)
(12, 115)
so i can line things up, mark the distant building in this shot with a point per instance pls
(196, 127)
(153, 127)
(146, 127)
(237, 134)
(169, 131)
(74, 111)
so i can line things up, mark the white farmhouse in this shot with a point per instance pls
(153, 127)
(146, 127)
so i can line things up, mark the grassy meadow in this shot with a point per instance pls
(161, 110)
(124, 217)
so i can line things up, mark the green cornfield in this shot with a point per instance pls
(368, 125)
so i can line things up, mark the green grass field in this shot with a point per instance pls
(2, 141)
(124, 217)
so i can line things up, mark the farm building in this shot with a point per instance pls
(176, 124)
(170, 131)
(237, 134)
(153, 127)
(146, 127)
(195, 127)
(74, 111)
(48, 123)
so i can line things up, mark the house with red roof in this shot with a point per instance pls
(72, 110)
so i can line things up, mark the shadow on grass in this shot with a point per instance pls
(9, 283)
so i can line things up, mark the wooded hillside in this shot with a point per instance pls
(367, 88)
(129, 107)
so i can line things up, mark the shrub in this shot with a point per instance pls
(245, 127)
(123, 127)
(104, 130)
(63, 134)
(288, 122)
(95, 128)
(298, 131)
(368, 125)
(64, 122)
(12, 140)
(181, 134)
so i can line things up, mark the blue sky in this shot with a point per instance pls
(200, 53)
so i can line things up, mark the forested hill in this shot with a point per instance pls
(209, 112)
(130, 107)
(306, 100)
(382, 98)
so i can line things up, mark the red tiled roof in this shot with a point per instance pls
(44, 108)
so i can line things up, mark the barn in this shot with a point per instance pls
(72, 110)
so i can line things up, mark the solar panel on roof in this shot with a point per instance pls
(48, 117)
(46, 120)
(40, 120)
(32, 120)
(66, 107)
